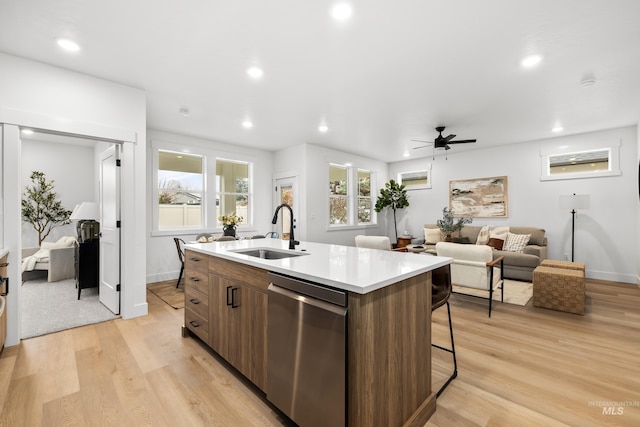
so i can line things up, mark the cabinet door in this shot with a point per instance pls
(239, 329)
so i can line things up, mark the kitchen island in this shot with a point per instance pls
(388, 326)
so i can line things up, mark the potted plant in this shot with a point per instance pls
(229, 223)
(394, 196)
(449, 224)
(40, 207)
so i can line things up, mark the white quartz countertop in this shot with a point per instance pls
(344, 267)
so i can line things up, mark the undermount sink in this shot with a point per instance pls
(268, 253)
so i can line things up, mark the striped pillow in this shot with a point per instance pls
(516, 242)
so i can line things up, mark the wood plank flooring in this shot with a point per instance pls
(524, 366)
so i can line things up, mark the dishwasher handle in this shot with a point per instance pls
(342, 311)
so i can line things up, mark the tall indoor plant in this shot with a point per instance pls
(40, 207)
(394, 196)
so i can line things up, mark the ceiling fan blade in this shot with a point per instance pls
(417, 148)
(462, 141)
(448, 138)
(420, 140)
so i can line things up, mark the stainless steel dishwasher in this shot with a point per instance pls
(306, 351)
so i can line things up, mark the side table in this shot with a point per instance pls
(403, 241)
(87, 260)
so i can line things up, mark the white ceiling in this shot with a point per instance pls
(393, 72)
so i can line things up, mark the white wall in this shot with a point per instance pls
(314, 162)
(73, 169)
(162, 259)
(46, 97)
(600, 231)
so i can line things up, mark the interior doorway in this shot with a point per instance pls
(74, 163)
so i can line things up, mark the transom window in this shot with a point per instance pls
(587, 161)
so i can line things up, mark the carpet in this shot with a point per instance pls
(168, 293)
(515, 292)
(52, 307)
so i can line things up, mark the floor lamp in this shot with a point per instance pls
(574, 202)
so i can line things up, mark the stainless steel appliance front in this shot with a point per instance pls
(306, 351)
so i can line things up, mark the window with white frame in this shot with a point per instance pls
(193, 187)
(232, 190)
(180, 180)
(350, 198)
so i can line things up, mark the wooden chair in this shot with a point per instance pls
(473, 267)
(376, 242)
(180, 247)
(440, 292)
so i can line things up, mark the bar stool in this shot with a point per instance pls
(440, 293)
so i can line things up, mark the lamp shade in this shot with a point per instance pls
(85, 210)
(575, 202)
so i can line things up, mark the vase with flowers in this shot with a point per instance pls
(450, 224)
(229, 223)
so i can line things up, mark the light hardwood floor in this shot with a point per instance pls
(522, 367)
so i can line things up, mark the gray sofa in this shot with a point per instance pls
(517, 265)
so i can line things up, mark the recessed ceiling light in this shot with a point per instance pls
(323, 128)
(557, 129)
(341, 11)
(184, 111)
(255, 72)
(406, 154)
(27, 131)
(531, 61)
(179, 156)
(69, 45)
(247, 124)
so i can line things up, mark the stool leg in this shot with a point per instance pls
(452, 351)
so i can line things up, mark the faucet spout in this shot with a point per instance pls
(292, 241)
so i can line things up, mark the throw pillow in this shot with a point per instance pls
(432, 236)
(499, 233)
(483, 236)
(496, 243)
(516, 242)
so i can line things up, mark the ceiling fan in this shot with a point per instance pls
(443, 141)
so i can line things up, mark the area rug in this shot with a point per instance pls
(515, 292)
(52, 307)
(168, 293)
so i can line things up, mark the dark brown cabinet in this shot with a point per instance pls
(87, 262)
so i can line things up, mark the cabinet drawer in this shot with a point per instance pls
(197, 324)
(197, 302)
(198, 280)
(249, 275)
(196, 261)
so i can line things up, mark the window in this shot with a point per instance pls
(337, 194)
(350, 200)
(232, 190)
(180, 185)
(193, 187)
(587, 161)
(364, 197)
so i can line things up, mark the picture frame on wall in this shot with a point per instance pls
(479, 197)
(416, 180)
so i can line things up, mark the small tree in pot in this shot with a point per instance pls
(394, 196)
(448, 224)
(40, 207)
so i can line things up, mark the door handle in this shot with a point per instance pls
(233, 298)
(194, 323)
(229, 296)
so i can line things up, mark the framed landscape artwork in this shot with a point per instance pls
(416, 180)
(479, 197)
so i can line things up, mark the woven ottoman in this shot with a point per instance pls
(563, 264)
(559, 289)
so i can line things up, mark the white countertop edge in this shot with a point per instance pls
(3, 252)
(219, 250)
